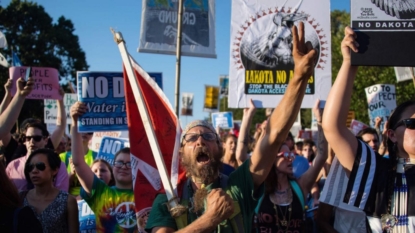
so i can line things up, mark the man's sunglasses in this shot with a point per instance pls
(192, 137)
(287, 155)
(41, 166)
(408, 123)
(120, 164)
(37, 138)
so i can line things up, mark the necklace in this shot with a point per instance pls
(282, 197)
(284, 221)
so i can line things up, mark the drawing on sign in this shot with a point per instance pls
(401, 9)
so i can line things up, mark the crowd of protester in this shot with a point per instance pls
(268, 181)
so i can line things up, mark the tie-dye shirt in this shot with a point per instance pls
(114, 208)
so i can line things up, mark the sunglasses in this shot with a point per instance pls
(192, 137)
(41, 166)
(37, 138)
(120, 164)
(287, 155)
(408, 123)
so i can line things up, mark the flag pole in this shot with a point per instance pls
(173, 204)
(178, 56)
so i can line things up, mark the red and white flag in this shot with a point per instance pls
(166, 125)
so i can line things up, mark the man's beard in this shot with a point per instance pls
(204, 174)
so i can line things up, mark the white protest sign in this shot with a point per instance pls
(51, 108)
(222, 119)
(97, 138)
(381, 100)
(404, 73)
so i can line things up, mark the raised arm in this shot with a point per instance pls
(57, 135)
(339, 137)
(308, 179)
(243, 139)
(84, 172)
(281, 119)
(9, 116)
(7, 95)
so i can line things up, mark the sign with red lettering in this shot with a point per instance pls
(46, 81)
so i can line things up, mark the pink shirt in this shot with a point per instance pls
(15, 171)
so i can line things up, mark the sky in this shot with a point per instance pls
(92, 20)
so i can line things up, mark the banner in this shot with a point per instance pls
(404, 73)
(51, 108)
(110, 146)
(46, 81)
(187, 104)
(224, 85)
(167, 131)
(261, 62)
(385, 32)
(381, 99)
(211, 103)
(356, 126)
(159, 27)
(222, 119)
(103, 93)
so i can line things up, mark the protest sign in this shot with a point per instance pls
(103, 93)
(350, 116)
(46, 81)
(86, 218)
(187, 104)
(158, 78)
(159, 28)
(356, 126)
(385, 32)
(381, 99)
(51, 108)
(222, 119)
(224, 85)
(110, 146)
(404, 73)
(211, 103)
(98, 136)
(261, 62)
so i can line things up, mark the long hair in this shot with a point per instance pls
(9, 196)
(112, 181)
(393, 149)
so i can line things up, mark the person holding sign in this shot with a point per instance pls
(211, 208)
(383, 188)
(114, 206)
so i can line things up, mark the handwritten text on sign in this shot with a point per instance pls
(103, 93)
(381, 100)
(51, 108)
(46, 81)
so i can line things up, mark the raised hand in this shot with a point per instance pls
(24, 88)
(303, 53)
(78, 109)
(348, 43)
(8, 86)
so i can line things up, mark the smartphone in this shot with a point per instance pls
(322, 104)
(27, 75)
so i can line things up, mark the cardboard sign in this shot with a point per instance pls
(110, 146)
(103, 93)
(385, 32)
(261, 62)
(46, 81)
(211, 99)
(381, 99)
(222, 119)
(51, 108)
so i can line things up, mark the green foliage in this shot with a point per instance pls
(38, 41)
(366, 76)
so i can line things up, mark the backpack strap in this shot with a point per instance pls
(298, 192)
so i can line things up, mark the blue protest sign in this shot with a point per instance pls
(110, 146)
(103, 93)
(222, 119)
(86, 218)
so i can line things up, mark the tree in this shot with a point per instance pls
(38, 41)
(366, 76)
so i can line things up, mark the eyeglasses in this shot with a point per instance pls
(287, 155)
(408, 123)
(192, 137)
(120, 164)
(37, 138)
(41, 166)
